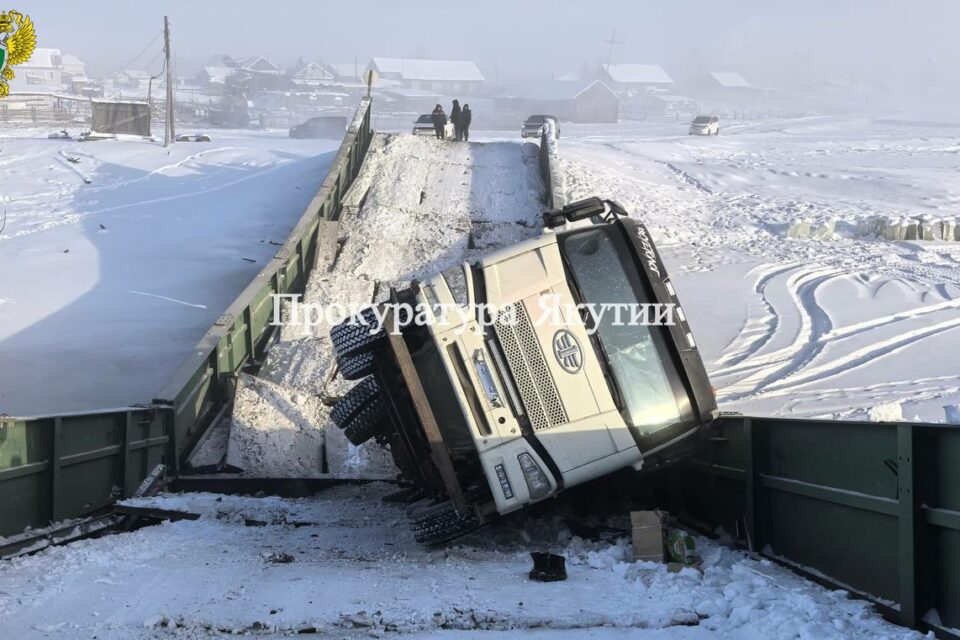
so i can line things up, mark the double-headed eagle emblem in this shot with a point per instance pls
(17, 42)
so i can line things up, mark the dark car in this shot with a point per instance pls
(533, 126)
(320, 127)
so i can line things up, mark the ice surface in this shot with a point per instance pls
(105, 287)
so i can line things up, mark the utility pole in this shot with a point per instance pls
(612, 41)
(170, 135)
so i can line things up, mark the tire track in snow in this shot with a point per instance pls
(757, 331)
(866, 354)
(814, 323)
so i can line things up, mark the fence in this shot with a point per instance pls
(549, 167)
(873, 506)
(60, 467)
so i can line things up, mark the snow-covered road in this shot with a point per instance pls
(117, 256)
(798, 327)
(343, 565)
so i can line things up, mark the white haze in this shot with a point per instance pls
(903, 51)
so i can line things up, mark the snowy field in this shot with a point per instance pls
(343, 565)
(117, 256)
(798, 328)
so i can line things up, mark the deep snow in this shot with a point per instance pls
(105, 287)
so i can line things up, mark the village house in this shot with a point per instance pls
(636, 79)
(445, 77)
(345, 72)
(42, 73)
(574, 101)
(309, 75)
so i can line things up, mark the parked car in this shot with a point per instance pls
(320, 127)
(533, 126)
(423, 126)
(705, 126)
(488, 406)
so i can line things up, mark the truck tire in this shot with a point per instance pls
(367, 422)
(357, 334)
(439, 523)
(407, 495)
(354, 401)
(356, 366)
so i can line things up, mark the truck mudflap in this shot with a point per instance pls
(428, 421)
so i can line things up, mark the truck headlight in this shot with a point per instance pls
(536, 479)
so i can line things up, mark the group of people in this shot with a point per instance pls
(460, 117)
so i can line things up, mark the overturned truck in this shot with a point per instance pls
(542, 366)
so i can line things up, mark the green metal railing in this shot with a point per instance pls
(62, 467)
(68, 466)
(873, 506)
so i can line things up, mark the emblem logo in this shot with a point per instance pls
(567, 351)
(17, 42)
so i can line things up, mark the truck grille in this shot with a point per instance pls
(530, 371)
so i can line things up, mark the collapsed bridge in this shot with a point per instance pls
(880, 510)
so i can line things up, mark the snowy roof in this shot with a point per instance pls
(219, 74)
(441, 70)
(258, 63)
(552, 89)
(311, 68)
(638, 73)
(70, 60)
(349, 70)
(43, 57)
(220, 60)
(115, 101)
(730, 79)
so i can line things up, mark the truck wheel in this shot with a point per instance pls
(358, 334)
(407, 495)
(356, 399)
(439, 523)
(356, 367)
(367, 422)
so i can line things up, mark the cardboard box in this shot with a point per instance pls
(649, 535)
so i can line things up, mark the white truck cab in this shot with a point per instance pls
(544, 365)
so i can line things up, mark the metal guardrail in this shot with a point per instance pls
(549, 168)
(59, 467)
(873, 507)
(205, 382)
(870, 507)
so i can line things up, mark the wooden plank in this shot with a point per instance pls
(439, 452)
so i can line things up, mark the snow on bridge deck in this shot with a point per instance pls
(343, 565)
(427, 204)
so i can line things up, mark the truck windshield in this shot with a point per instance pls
(650, 389)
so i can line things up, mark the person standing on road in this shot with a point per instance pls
(455, 114)
(439, 121)
(466, 117)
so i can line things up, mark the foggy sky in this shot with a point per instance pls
(907, 44)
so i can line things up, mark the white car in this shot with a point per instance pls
(705, 126)
(424, 127)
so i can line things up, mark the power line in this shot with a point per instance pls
(122, 67)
